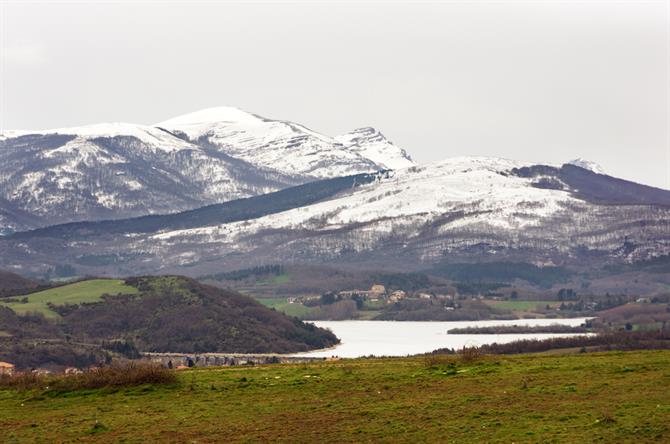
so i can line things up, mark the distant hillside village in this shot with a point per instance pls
(377, 296)
(379, 293)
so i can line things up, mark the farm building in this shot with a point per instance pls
(6, 368)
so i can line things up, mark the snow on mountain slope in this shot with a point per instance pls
(371, 144)
(484, 186)
(462, 209)
(587, 165)
(459, 207)
(284, 146)
(117, 170)
(151, 137)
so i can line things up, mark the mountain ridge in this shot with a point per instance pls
(121, 170)
(459, 210)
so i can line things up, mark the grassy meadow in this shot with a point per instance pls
(605, 397)
(282, 305)
(76, 293)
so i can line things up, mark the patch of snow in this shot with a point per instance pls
(587, 165)
(371, 144)
(152, 137)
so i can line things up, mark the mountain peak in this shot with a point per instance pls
(212, 115)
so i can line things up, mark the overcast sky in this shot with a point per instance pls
(537, 81)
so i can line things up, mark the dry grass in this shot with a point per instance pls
(470, 354)
(435, 360)
(120, 375)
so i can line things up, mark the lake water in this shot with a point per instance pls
(394, 338)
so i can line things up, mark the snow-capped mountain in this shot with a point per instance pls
(462, 209)
(287, 147)
(119, 170)
(467, 207)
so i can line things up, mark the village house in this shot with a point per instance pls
(396, 296)
(375, 292)
(6, 369)
(444, 297)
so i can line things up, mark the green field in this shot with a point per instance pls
(284, 278)
(614, 397)
(280, 304)
(77, 293)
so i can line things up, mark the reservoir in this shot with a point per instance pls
(395, 338)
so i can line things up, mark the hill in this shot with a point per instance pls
(153, 314)
(87, 291)
(11, 283)
(605, 397)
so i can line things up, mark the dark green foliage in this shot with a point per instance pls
(429, 310)
(329, 298)
(239, 275)
(503, 272)
(566, 294)
(475, 288)
(124, 348)
(622, 340)
(64, 270)
(403, 281)
(101, 260)
(359, 300)
(516, 329)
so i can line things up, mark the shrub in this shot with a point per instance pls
(433, 360)
(118, 375)
(470, 354)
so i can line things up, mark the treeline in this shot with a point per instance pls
(503, 272)
(246, 273)
(403, 281)
(431, 310)
(621, 340)
(517, 329)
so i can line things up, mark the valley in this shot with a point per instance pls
(334, 222)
